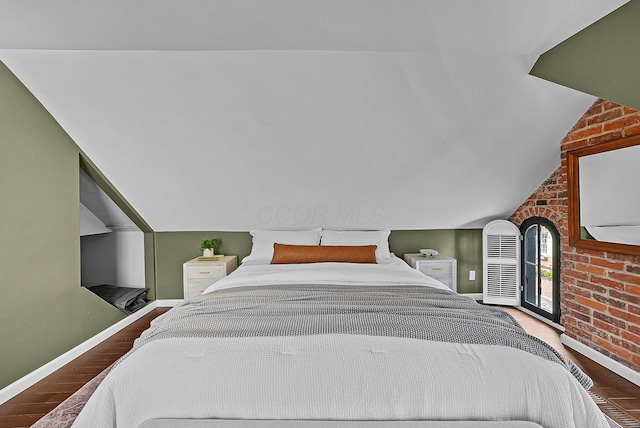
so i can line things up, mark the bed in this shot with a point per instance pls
(305, 336)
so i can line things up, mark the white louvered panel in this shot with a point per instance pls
(501, 263)
(502, 280)
(502, 246)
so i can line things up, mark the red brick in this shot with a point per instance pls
(578, 290)
(582, 267)
(591, 303)
(606, 116)
(629, 298)
(621, 123)
(593, 330)
(609, 301)
(578, 144)
(633, 279)
(576, 274)
(610, 283)
(603, 138)
(578, 309)
(633, 338)
(625, 315)
(632, 130)
(547, 195)
(615, 321)
(590, 253)
(625, 258)
(616, 350)
(634, 329)
(606, 263)
(585, 285)
(626, 344)
(595, 109)
(636, 360)
(606, 327)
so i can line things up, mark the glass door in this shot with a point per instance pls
(541, 268)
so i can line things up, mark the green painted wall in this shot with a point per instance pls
(465, 245)
(601, 60)
(43, 310)
(175, 248)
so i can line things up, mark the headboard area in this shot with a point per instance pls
(172, 249)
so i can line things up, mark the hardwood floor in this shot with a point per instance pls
(617, 397)
(26, 408)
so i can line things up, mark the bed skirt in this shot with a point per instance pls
(228, 423)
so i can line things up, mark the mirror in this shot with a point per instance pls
(604, 203)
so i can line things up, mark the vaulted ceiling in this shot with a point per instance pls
(241, 114)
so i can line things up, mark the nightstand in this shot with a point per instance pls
(440, 267)
(198, 275)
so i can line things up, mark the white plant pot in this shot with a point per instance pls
(207, 253)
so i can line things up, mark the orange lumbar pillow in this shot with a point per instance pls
(284, 253)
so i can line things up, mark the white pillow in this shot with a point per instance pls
(263, 240)
(359, 237)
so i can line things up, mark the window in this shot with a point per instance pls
(541, 268)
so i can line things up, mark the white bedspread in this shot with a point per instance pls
(338, 376)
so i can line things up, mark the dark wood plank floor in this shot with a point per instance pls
(32, 404)
(617, 397)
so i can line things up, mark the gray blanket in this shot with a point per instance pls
(401, 311)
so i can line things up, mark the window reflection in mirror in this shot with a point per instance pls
(604, 198)
(609, 195)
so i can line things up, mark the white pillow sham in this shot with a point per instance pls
(263, 240)
(359, 237)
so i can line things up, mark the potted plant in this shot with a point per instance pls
(208, 247)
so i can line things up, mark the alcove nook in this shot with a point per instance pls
(111, 249)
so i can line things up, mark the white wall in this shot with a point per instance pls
(115, 258)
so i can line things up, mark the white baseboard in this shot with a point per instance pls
(474, 296)
(616, 367)
(37, 375)
(168, 303)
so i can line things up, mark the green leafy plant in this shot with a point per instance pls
(208, 244)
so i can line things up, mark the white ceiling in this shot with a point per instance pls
(241, 114)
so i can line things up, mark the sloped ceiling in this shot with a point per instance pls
(101, 206)
(241, 114)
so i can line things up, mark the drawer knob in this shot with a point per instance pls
(204, 273)
(437, 268)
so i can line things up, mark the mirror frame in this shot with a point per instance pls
(573, 182)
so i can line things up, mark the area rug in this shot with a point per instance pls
(67, 411)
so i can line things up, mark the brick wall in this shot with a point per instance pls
(599, 291)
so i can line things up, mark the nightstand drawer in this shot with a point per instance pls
(435, 268)
(197, 286)
(199, 275)
(208, 271)
(439, 267)
(445, 279)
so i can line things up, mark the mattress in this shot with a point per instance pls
(216, 361)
